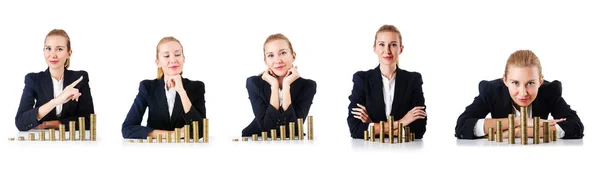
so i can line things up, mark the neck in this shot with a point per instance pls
(388, 70)
(57, 73)
(280, 80)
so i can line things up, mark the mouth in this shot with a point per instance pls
(53, 61)
(279, 67)
(173, 67)
(523, 100)
(388, 57)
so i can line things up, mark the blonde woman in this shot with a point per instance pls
(57, 95)
(279, 95)
(173, 101)
(522, 85)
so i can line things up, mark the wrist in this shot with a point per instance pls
(275, 87)
(285, 86)
(54, 102)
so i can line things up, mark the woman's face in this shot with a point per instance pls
(56, 52)
(170, 58)
(278, 57)
(523, 84)
(388, 47)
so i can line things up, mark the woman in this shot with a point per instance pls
(386, 91)
(278, 95)
(522, 85)
(57, 95)
(173, 101)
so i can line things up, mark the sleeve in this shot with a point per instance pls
(198, 110)
(26, 118)
(131, 127)
(572, 127)
(478, 131)
(267, 117)
(477, 110)
(418, 126)
(356, 126)
(85, 105)
(300, 107)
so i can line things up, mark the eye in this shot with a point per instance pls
(177, 55)
(394, 45)
(166, 56)
(270, 55)
(283, 53)
(381, 44)
(48, 49)
(60, 49)
(515, 83)
(531, 83)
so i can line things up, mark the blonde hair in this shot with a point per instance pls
(160, 72)
(62, 33)
(387, 28)
(277, 36)
(523, 58)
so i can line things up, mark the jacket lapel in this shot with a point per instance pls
(161, 100)
(399, 91)
(67, 80)
(377, 107)
(47, 86)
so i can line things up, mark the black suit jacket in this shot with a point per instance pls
(151, 94)
(266, 117)
(39, 91)
(368, 91)
(495, 98)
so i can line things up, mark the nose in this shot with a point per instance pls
(277, 59)
(523, 90)
(172, 59)
(389, 49)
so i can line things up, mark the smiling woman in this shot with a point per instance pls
(387, 91)
(57, 95)
(279, 95)
(184, 98)
(522, 85)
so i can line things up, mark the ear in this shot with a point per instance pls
(401, 49)
(541, 81)
(374, 49)
(70, 52)
(156, 61)
(293, 56)
(505, 80)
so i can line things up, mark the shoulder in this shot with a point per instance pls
(307, 83)
(491, 87)
(550, 89)
(149, 84)
(254, 81)
(363, 75)
(410, 75)
(78, 73)
(193, 83)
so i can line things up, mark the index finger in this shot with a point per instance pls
(361, 106)
(76, 82)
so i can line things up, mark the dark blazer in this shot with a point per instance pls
(368, 91)
(266, 117)
(495, 98)
(39, 91)
(151, 94)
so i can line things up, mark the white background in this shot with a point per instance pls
(453, 45)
